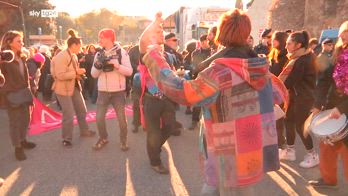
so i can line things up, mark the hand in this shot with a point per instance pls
(315, 111)
(81, 71)
(335, 113)
(180, 72)
(153, 34)
(115, 63)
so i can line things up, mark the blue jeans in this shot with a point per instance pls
(118, 101)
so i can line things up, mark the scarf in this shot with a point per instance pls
(292, 59)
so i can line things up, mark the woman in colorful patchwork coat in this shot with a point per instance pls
(239, 138)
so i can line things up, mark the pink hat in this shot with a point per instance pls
(39, 58)
(108, 33)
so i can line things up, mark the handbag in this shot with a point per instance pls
(20, 97)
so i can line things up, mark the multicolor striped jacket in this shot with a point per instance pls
(239, 138)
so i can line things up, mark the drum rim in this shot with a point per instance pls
(342, 128)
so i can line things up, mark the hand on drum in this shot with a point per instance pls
(335, 113)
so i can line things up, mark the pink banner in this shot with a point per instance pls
(45, 119)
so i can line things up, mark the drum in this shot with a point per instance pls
(328, 129)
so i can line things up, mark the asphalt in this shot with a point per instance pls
(52, 169)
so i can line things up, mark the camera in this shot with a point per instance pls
(102, 62)
(6, 56)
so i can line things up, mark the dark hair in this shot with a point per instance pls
(281, 37)
(90, 46)
(234, 28)
(73, 39)
(203, 37)
(301, 37)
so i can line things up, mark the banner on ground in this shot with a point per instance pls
(45, 119)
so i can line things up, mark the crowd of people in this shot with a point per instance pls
(227, 84)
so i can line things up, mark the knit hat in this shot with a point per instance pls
(39, 58)
(107, 33)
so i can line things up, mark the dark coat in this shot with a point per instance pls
(301, 85)
(14, 79)
(277, 66)
(262, 49)
(45, 70)
(179, 60)
(198, 56)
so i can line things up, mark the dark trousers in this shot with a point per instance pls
(118, 101)
(159, 114)
(280, 131)
(19, 123)
(136, 93)
(296, 115)
(196, 114)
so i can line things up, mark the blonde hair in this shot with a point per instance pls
(339, 45)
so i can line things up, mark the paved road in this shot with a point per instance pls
(53, 170)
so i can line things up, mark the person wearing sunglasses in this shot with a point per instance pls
(324, 59)
(265, 44)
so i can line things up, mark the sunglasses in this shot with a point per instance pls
(174, 40)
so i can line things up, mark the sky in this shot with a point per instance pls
(135, 7)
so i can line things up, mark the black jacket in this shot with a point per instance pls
(301, 85)
(198, 56)
(301, 81)
(277, 67)
(261, 49)
(326, 94)
(179, 60)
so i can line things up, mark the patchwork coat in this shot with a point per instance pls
(238, 140)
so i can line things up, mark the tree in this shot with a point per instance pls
(11, 17)
(90, 23)
(66, 22)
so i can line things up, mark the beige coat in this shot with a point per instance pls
(64, 74)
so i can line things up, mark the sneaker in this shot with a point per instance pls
(321, 184)
(160, 169)
(124, 147)
(310, 160)
(28, 145)
(88, 133)
(19, 153)
(100, 144)
(193, 125)
(287, 154)
(67, 143)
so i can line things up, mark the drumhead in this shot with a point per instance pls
(322, 125)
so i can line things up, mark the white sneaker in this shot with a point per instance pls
(287, 154)
(310, 160)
